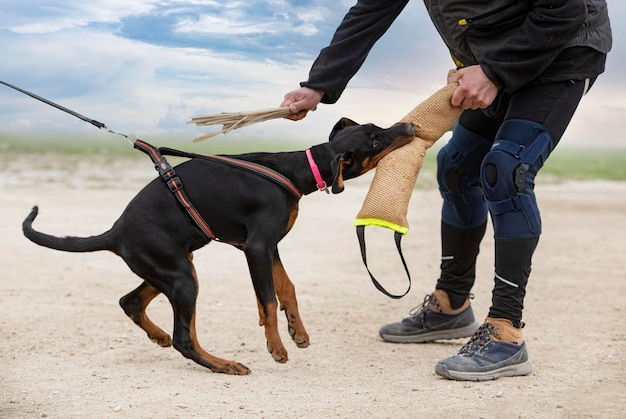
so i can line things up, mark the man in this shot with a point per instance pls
(523, 68)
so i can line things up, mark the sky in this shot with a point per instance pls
(145, 67)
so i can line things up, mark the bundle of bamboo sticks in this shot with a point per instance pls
(235, 120)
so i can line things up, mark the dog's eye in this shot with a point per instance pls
(375, 141)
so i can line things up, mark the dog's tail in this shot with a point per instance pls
(66, 244)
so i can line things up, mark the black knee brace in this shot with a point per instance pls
(458, 176)
(508, 173)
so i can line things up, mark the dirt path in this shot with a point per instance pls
(68, 350)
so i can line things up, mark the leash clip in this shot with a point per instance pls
(166, 171)
(323, 187)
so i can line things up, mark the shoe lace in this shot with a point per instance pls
(479, 339)
(429, 300)
(420, 308)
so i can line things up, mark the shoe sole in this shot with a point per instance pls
(461, 332)
(524, 368)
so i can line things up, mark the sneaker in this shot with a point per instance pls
(427, 322)
(495, 350)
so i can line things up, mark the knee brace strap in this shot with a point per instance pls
(508, 174)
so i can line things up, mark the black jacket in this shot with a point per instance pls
(516, 42)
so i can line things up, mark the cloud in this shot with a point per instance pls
(48, 16)
(276, 30)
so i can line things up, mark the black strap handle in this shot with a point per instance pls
(360, 232)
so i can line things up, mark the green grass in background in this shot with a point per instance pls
(586, 164)
(571, 163)
(104, 143)
(564, 164)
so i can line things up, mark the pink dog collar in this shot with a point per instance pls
(321, 185)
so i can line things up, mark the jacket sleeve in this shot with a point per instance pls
(362, 26)
(548, 28)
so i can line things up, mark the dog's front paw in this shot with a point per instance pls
(279, 354)
(301, 339)
(296, 330)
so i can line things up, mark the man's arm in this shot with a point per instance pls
(362, 26)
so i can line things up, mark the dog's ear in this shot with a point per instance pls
(341, 124)
(340, 162)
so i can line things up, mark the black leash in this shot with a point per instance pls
(93, 122)
(162, 166)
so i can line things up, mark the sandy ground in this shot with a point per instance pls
(68, 350)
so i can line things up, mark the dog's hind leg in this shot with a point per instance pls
(134, 305)
(175, 276)
(286, 293)
(183, 295)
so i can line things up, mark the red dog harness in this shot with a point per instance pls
(167, 173)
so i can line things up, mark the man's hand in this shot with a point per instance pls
(301, 101)
(475, 91)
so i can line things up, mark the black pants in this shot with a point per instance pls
(551, 105)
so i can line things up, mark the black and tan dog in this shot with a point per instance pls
(156, 237)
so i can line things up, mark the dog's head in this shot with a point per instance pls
(359, 148)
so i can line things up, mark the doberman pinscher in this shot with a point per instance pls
(156, 238)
